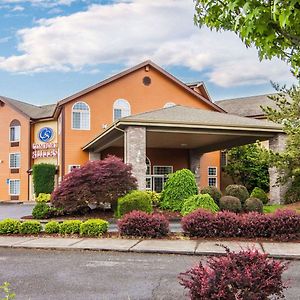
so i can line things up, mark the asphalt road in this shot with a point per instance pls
(15, 211)
(47, 275)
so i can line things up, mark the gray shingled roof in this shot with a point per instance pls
(194, 116)
(32, 111)
(246, 106)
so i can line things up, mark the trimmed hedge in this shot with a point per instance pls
(141, 224)
(281, 225)
(204, 201)
(30, 227)
(179, 186)
(253, 204)
(230, 203)
(213, 191)
(8, 226)
(260, 194)
(238, 191)
(93, 227)
(70, 227)
(43, 178)
(135, 200)
(52, 227)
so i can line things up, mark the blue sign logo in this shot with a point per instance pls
(46, 134)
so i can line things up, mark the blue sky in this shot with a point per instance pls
(50, 49)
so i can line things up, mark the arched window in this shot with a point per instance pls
(121, 109)
(81, 116)
(169, 104)
(14, 131)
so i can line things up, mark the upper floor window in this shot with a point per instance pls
(121, 109)
(81, 116)
(14, 160)
(169, 104)
(14, 131)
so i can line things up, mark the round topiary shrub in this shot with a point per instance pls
(70, 227)
(260, 194)
(41, 211)
(179, 186)
(213, 191)
(238, 191)
(30, 227)
(8, 226)
(52, 227)
(93, 227)
(135, 200)
(253, 204)
(204, 201)
(230, 203)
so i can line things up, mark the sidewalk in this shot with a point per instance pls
(186, 247)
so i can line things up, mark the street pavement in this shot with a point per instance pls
(15, 211)
(77, 275)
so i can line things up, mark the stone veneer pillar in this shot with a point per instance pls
(195, 156)
(277, 192)
(135, 153)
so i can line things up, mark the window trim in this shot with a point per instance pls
(9, 189)
(14, 168)
(70, 167)
(80, 111)
(15, 141)
(128, 111)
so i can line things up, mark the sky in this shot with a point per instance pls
(50, 49)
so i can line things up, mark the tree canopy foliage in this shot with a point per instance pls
(272, 26)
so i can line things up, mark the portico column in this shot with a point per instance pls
(135, 153)
(277, 191)
(194, 157)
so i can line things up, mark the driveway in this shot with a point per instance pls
(77, 275)
(15, 211)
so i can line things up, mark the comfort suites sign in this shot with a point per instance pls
(45, 147)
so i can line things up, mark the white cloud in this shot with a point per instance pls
(18, 8)
(43, 3)
(129, 32)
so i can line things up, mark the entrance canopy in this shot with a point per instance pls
(183, 127)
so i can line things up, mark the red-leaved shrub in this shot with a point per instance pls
(141, 224)
(247, 274)
(282, 225)
(95, 182)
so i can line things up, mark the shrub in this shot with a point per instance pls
(230, 203)
(70, 227)
(43, 198)
(8, 226)
(30, 227)
(198, 223)
(43, 178)
(204, 201)
(226, 224)
(292, 195)
(255, 225)
(179, 186)
(260, 194)
(41, 211)
(93, 227)
(155, 198)
(253, 204)
(94, 183)
(238, 191)
(141, 224)
(135, 200)
(213, 191)
(52, 227)
(247, 274)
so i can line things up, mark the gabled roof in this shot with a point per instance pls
(247, 106)
(133, 69)
(30, 110)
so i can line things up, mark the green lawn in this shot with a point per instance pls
(272, 208)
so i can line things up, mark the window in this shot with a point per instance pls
(14, 160)
(121, 109)
(14, 187)
(169, 104)
(81, 116)
(73, 167)
(212, 176)
(223, 158)
(162, 170)
(14, 131)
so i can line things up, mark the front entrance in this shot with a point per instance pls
(156, 176)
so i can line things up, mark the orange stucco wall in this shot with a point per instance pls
(7, 114)
(141, 98)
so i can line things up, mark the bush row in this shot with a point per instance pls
(281, 225)
(92, 227)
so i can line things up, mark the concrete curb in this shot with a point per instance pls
(288, 251)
